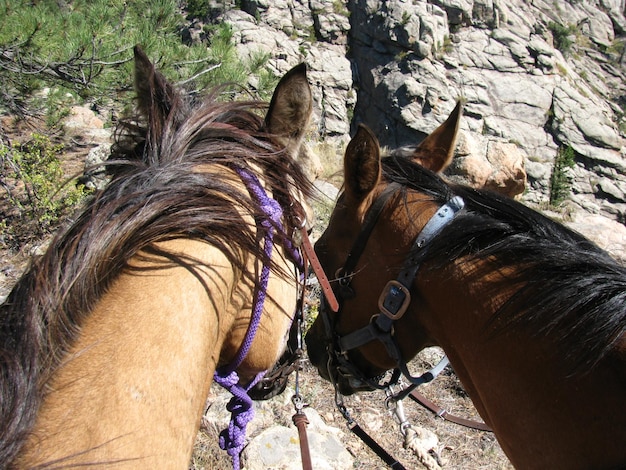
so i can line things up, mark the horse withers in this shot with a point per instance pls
(531, 314)
(109, 342)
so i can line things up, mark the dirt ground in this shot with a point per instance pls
(459, 447)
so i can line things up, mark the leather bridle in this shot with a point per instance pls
(393, 301)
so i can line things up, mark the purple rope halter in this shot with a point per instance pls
(232, 439)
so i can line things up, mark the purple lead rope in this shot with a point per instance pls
(232, 439)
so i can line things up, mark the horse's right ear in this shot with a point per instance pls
(362, 167)
(435, 152)
(291, 108)
(156, 98)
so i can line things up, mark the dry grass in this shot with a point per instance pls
(331, 157)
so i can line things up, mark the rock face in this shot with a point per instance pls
(414, 59)
(536, 76)
(296, 31)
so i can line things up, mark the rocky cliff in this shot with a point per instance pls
(536, 76)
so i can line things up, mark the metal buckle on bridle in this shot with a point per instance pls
(341, 277)
(394, 300)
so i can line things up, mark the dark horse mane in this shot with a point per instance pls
(167, 182)
(565, 286)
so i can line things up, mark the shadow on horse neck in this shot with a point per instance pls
(531, 314)
(109, 341)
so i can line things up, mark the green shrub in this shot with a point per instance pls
(85, 47)
(561, 35)
(34, 183)
(341, 8)
(198, 8)
(560, 183)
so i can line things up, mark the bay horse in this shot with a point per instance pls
(531, 314)
(109, 342)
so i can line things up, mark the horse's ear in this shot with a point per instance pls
(290, 108)
(156, 98)
(435, 152)
(362, 166)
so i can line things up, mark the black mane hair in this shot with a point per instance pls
(565, 285)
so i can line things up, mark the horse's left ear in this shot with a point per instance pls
(362, 167)
(435, 152)
(290, 108)
(156, 97)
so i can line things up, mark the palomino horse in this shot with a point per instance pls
(531, 315)
(109, 342)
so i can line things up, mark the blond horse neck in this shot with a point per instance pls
(132, 389)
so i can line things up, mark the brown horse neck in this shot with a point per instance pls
(543, 417)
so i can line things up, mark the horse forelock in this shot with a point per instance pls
(171, 185)
(563, 285)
